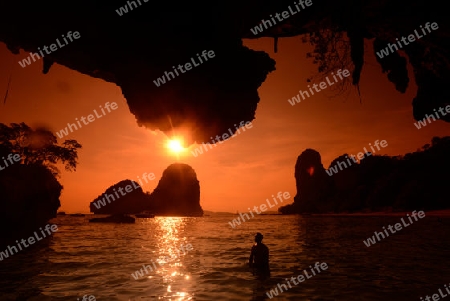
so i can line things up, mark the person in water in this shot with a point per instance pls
(259, 257)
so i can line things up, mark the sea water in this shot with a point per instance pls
(85, 259)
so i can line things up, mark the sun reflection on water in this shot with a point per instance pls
(171, 245)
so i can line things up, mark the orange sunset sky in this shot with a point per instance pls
(241, 172)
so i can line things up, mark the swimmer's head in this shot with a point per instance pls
(258, 237)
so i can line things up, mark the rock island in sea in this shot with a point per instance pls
(177, 194)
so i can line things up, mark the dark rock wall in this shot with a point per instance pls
(178, 192)
(414, 181)
(29, 197)
(129, 203)
(136, 48)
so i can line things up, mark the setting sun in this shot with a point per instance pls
(175, 146)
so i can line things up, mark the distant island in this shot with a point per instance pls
(415, 181)
(213, 213)
(177, 194)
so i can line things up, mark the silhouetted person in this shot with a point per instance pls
(259, 257)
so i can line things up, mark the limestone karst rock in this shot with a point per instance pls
(415, 181)
(29, 198)
(311, 181)
(116, 199)
(136, 48)
(177, 194)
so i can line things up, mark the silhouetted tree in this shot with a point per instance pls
(29, 190)
(38, 146)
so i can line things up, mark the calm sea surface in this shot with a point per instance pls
(98, 259)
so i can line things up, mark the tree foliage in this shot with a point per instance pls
(38, 146)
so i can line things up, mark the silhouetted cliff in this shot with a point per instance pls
(177, 194)
(123, 197)
(134, 49)
(414, 181)
(29, 198)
